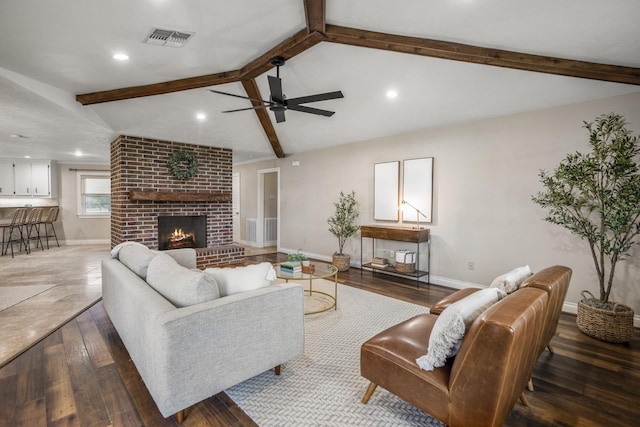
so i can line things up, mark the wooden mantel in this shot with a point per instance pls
(178, 196)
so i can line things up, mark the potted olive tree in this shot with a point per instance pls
(343, 225)
(596, 196)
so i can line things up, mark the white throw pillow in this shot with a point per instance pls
(241, 279)
(137, 258)
(451, 325)
(509, 282)
(181, 286)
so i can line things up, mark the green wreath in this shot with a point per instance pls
(177, 165)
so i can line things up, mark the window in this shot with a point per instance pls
(94, 194)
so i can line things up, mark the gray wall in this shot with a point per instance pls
(484, 175)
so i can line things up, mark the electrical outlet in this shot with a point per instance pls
(471, 265)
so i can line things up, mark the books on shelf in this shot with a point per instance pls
(378, 262)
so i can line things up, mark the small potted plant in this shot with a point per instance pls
(298, 256)
(343, 225)
(597, 197)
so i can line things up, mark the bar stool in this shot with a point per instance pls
(15, 227)
(34, 219)
(49, 219)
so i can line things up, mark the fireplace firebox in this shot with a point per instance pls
(175, 232)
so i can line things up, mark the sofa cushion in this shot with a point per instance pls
(509, 282)
(450, 327)
(181, 286)
(137, 258)
(241, 279)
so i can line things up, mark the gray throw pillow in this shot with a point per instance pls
(181, 286)
(136, 258)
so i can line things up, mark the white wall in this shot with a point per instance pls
(484, 175)
(71, 229)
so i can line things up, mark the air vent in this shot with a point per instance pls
(169, 38)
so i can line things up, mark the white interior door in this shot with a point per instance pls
(235, 196)
(260, 220)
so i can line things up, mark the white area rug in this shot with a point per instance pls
(12, 295)
(324, 387)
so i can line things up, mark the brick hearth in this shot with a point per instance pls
(140, 164)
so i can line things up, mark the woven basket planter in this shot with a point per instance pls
(342, 262)
(614, 326)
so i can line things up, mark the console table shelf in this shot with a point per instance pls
(391, 269)
(400, 234)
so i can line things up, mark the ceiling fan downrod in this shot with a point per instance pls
(277, 61)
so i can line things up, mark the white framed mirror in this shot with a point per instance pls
(417, 190)
(386, 180)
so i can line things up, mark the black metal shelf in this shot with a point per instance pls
(401, 234)
(391, 269)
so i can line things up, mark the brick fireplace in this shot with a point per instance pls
(143, 188)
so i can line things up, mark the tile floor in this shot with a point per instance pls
(75, 270)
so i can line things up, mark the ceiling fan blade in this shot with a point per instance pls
(256, 107)
(237, 96)
(275, 85)
(279, 116)
(315, 98)
(304, 109)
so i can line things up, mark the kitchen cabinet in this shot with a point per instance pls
(6, 178)
(29, 179)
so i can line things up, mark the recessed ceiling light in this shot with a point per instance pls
(201, 116)
(27, 157)
(121, 56)
(78, 153)
(391, 94)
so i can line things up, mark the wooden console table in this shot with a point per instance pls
(400, 234)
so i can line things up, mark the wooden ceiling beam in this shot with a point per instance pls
(317, 30)
(482, 55)
(315, 12)
(251, 87)
(158, 88)
(289, 48)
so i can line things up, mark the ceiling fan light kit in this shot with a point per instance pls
(278, 102)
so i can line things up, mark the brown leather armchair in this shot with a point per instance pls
(480, 385)
(553, 280)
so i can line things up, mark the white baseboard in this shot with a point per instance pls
(310, 255)
(84, 242)
(452, 283)
(254, 244)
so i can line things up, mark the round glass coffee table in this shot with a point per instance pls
(318, 300)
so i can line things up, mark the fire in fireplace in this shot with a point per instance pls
(175, 232)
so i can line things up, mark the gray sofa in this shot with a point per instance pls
(190, 341)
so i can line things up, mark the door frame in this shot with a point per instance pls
(235, 206)
(260, 215)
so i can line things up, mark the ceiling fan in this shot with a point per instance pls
(278, 102)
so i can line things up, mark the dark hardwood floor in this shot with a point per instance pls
(81, 375)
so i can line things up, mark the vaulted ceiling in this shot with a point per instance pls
(450, 61)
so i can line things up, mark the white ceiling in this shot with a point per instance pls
(52, 51)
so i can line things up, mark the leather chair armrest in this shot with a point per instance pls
(445, 302)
